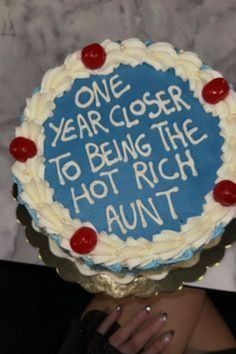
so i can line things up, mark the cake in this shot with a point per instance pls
(125, 158)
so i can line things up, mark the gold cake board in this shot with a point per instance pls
(141, 286)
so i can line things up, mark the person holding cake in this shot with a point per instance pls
(125, 160)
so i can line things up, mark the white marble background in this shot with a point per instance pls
(37, 34)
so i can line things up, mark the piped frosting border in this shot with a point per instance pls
(55, 220)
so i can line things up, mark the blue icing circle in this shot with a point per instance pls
(154, 212)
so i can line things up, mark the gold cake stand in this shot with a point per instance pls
(141, 286)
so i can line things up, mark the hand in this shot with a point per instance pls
(138, 333)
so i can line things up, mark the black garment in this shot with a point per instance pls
(83, 337)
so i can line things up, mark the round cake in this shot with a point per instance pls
(125, 158)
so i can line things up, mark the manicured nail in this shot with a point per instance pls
(144, 312)
(166, 338)
(118, 308)
(163, 317)
(160, 320)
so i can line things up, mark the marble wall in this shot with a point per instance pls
(36, 35)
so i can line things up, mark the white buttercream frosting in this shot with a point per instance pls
(55, 219)
(38, 108)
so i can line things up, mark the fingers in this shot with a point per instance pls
(122, 334)
(109, 320)
(142, 336)
(132, 337)
(160, 344)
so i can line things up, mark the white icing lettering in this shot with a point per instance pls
(171, 133)
(168, 195)
(98, 189)
(163, 103)
(162, 173)
(128, 147)
(111, 117)
(84, 195)
(144, 150)
(153, 213)
(116, 88)
(159, 127)
(83, 126)
(65, 136)
(95, 121)
(129, 225)
(86, 96)
(110, 153)
(189, 162)
(141, 108)
(99, 93)
(140, 169)
(110, 174)
(129, 123)
(86, 91)
(148, 102)
(123, 118)
(63, 171)
(107, 151)
(57, 130)
(73, 168)
(102, 154)
(138, 209)
(177, 135)
(190, 131)
(111, 217)
(92, 151)
(117, 150)
(153, 173)
(175, 93)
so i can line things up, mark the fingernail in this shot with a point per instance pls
(160, 319)
(167, 337)
(163, 317)
(118, 308)
(144, 312)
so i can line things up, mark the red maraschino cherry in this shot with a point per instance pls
(93, 56)
(22, 148)
(216, 90)
(84, 240)
(224, 193)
